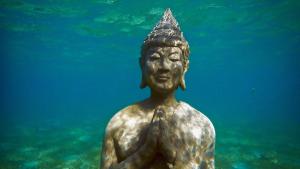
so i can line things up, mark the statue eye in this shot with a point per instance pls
(154, 56)
(174, 57)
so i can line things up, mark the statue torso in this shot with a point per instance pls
(185, 134)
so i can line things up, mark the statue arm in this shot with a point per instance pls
(108, 156)
(209, 152)
(209, 157)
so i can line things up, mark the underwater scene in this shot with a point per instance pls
(67, 66)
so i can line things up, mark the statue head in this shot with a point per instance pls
(164, 56)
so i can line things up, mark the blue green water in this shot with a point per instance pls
(68, 66)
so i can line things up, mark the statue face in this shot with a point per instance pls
(163, 68)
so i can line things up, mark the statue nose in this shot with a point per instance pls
(164, 65)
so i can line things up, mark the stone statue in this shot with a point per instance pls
(160, 132)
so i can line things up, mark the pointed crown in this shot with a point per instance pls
(167, 33)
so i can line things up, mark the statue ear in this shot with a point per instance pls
(182, 80)
(143, 83)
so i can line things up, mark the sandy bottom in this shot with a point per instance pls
(79, 146)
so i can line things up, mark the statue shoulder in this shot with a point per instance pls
(120, 118)
(197, 118)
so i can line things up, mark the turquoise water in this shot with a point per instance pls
(68, 66)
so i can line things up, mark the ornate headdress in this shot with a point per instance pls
(167, 33)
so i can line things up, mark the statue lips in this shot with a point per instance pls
(162, 78)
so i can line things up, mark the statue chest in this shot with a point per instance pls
(129, 137)
(182, 135)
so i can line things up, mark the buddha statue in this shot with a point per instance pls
(160, 132)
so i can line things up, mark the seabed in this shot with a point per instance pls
(79, 147)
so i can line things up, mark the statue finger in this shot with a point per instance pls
(156, 115)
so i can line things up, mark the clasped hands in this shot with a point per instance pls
(152, 145)
(157, 136)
